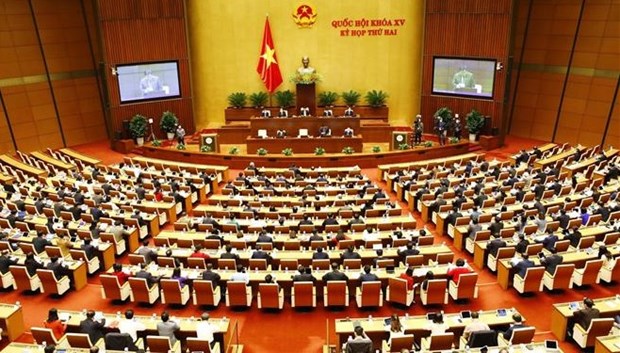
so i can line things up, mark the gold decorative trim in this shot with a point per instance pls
(581, 71)
(27, 80)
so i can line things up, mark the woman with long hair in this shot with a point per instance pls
(53, 322)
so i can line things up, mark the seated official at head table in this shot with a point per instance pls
(348, 132)
(281, 134)
(283, 113)
(328, 112)
(349, 112)
(304, 111)
(265, 113)
(325, 131)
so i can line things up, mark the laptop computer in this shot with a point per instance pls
(431, 316)
(574, 306)
(501, 312)
(465, 314)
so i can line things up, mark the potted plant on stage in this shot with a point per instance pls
(137, 128)
(259, 99)
(377, 108)
(474, 122)
(376, 99)
(351, 98)
(327, 99)
(168, 124)
(285, 99)
(446, 115)
(237, 100)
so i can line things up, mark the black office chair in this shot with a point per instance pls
(482, 338)
(119, 341)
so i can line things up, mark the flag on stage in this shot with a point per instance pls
(268, 67)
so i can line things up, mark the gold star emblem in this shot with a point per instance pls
(268, 56)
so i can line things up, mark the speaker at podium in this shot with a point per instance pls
(209, 140)
(399, 138)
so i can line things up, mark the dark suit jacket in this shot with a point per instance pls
(552, 262)
(58, 269)
(150, 280)
(335, 276)
(563, 219)
(90, 250)
(584, 316)
(304, 277)
(350, 255)
(549, 241)
(320, 256)
(39, 244)
(368, 277)
(32, 266)
(213, 277)
(494, 245)
(522, 246)
(522, 267)
(93, 328)
(508, 332)
(5, 262)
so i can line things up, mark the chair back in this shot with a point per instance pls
(354, 346)
(140, 289)
(78, 340)
(290, 264)
(397, 344)
(591, 271)
(27, 247)
(534, 249)
(586, 242)
(204, 293)
(533, 276)
(336, 293)
(172, 290)
(237, 293)
(371, 293)
(414, 260)
(426, 240)
(398, 290)
(611, 238)
(506, 252)
(303, 294)
(436, 291)
(136, 259)
(21, 278)
(292, 245)
(441, 342)
(41, 334)
(562, 245)
(522, 335)
(230, 264)
(315, 244)
(444, 258)
(322, 264)
(269, 295)
(467, 285)
(598, 327)
(479, 339)
(111, 287)
(48, 281)
(345, 244)
(196, 262)
(165, 261)
(385, 263)
(211, 244)
(562, 277)
(258, 264)
(198, 345)
(352, 263)
(159, 344)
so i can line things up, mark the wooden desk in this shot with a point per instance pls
(311, 172)
(77, 269)
(386, 170)
(79, 156)
(11, 321)
(6, 179)
(607, 344)
(219, 170)
(505, 271)
(26, 168)
(53, 161)
(561, 314)
(542, 163)
(333, 144)
(418, 325)
(312, 123)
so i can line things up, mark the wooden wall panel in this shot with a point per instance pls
(570, 71)
(477, 28)
(141, 31)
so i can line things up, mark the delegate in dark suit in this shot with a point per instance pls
(494, 245)
(584, 316)
(150, 279)
(93, 328)
(552, 262)
(522, 267)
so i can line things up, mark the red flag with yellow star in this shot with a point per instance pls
(268, 67)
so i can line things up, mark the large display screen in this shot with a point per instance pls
(148, 81)
(464, 77)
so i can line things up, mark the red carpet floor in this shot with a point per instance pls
(301, 332)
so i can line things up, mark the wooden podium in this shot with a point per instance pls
(306, 97)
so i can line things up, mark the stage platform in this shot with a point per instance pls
(366, 159)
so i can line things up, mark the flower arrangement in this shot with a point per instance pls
(287, 151)
(404, 146)
(305, 78)
(181, 147)
(233, 150)
(454, 140)
(319, 151)
(261, 151)
(376, 149)
(156, 143)
(348, 150)
(205, 148)
(427, 144)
